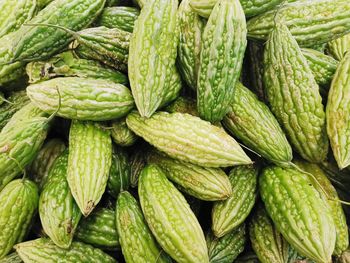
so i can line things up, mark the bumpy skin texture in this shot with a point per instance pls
(183, 105)
(210, 184)
(256, 53)
(152, 54)
(294, 95)
(310, 22)
(191, 27)
(11, 258)
(138, 161)
(228, 214)
(170, 218)
(19, 201)
(14, 13)
(267, 242)
(342, 240)
(59, 214)
(89, 162)
(339, 46)
(40, 42)
(188, 138)
(122, 17)
(344, 258)
(173, 88)
(82, 99)
(223, 47)
(251, 121)
(322, 66)
(337, 113)
(121, 134)
(227, 248)
(40, 167)
(99, 229)
(137, 242)
(300, 215)
(43, 250)
(67, 65)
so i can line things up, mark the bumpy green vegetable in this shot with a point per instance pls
(137, 241)
(40, 168)
(307, 224)
(138, 161)
(11, 258)
(224, 43)
(251, 121)
(345, 257)
(227, 248)
(119, 174)
(43, 250)
(337, 113)
(322, 66)
(67, 65)
(170, 218)
(230, 213)
(40, 42)
(256, 53)
(173, 87)
(310, 22)
(121, 134)
(339, 46)
(89, 162)
(188, 138)
(99, 229)
(204, 183)
(152, 54)
(191, 27)
(58, 211)
(18, 203)
(82, 99)
(183, 105)
(294, 95)
(122, 17)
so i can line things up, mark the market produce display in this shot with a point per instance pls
(190, 131)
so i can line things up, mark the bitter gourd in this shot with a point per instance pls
(230, 213)
(188, 138)
(294, 95)
(300, 215)
(137, 242)
(256, 57)
(121, 134)
(170, 218)
(210, 184)
(122, 17)
(11, 258)
(89, 162)
(337, 113)
(338, 47)
(183, 105)
(223, 47)
(138, 161)
(82, 99)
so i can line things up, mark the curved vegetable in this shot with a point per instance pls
(122, 17)
(338, 47)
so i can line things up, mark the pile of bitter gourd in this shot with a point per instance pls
(190, 131)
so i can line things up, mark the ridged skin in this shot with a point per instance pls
(256, 55)
(82, 98)
(121, 134)
(99, 229)
(11, 258)
(59, 214)
(89, 162)
(170, 218)
(137, 242)
(183, 105)
(223, 47)
(122, 17)
(338, 47)
(267, 242)
(188, 138)
(18, 203)
(18, 99)
(342, 240)
(294, 95)
(137, 163)
(152, 54)
(173, 88)
(191, 27)
(345, 257)
(251, 121)
(14, 13)
(229, 214)
(19, 146)
(337, 113)
(322, 66)
(67, 65)
(227, 248)
(40, 167)
(298, 212)
(37, 42)
(119, 174)
(42, 3)
(209, 184)
(43, 250)
(310, 22)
